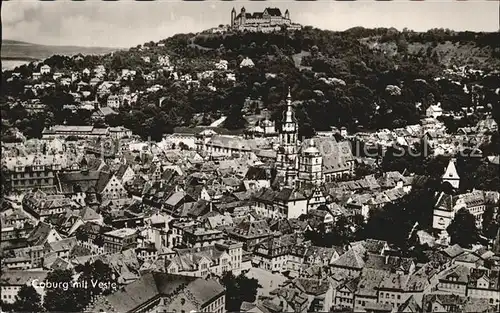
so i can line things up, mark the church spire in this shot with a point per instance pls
(451, 174)
(289, 115)
(287, 153)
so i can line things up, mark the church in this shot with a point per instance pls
(270, 20)
(311, 163)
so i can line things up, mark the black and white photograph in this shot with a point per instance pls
(218, 156)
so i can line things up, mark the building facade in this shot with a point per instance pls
(271, 19)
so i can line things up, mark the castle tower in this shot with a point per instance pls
(451, 175)
(311, 165)
(233, 17)
(286, 162)
(243, 16)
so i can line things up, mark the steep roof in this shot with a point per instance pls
(353, 258)
(273, 11)
(410, 305)
(451, 171)
(39, 234)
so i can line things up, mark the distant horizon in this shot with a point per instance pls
(131, 46)
(128, 23)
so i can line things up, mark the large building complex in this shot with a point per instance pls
(271, 19)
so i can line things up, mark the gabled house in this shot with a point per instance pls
(250, 233)
(110, 187)
(454, 280)
(43, 233)
(175, 201)
(125, 174)
(345, 292)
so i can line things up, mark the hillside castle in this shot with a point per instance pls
(270, 20)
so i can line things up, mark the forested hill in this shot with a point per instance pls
(368, 77)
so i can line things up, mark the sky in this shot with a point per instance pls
(127, 23)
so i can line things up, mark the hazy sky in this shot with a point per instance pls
(127, 23)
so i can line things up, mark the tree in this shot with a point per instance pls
(462, 229)
(99, 241)
(81, 235)
(66, 297)
(235, 119)
(27, 300)
(490, 225)
(239, 289)
(96, 272)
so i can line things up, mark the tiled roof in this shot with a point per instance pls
(63, 245)
(20, 278)
(389, 263)
(353, 258)
(39, 234)
(253, 229)
(459, 273)
(369, 281)
(410, 305)
(273, 11)
(453, 251)
(84, 180)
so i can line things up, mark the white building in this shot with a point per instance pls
(450, 175)
(113, 102)
(247, 62)
(311, 166)
(13, 280)
(448, 205)
(434, 111)
(45, 69)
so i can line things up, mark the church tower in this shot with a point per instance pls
(310, 165)
(243, 16)
(233, 17)
(287, 14)
(286, 162)
(451, 175)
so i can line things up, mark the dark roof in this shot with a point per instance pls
(39, 235)
(258, 173)
(154, 284)
(288, 194)
(198, 208)
(103, 180)
(273, 11)
(121, 171)
(84, 181)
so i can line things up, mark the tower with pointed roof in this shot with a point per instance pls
(233, 17)
(243, 15)
(310, 165)
(286, 160)
(451, 175)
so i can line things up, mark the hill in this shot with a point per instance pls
(359, 78)
(19, 50)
